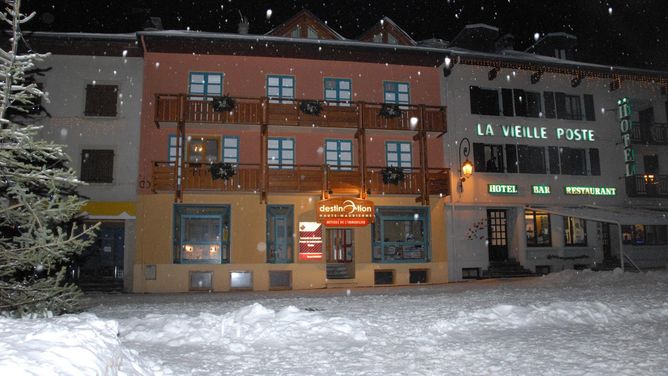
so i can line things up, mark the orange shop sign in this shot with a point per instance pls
(345, 212)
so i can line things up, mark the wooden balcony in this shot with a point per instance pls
(181, 108)
(647, 185)
(311, 179)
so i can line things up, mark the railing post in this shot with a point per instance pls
(325, 182)
(263, 161)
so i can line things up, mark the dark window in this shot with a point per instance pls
(488, 158)
(533, 104)
(537, 229)
(594, 162)
(280, 228)
(575, 231)
(417, 276)
(531, 159)
(573, 107)
(97, 166)
(101, 100)
(511, 158)
(507, 99)
(520, 102)
(590, 112)
(651, 163)
(549, 105)
(573, 161)
(554, 160)
(484, 101)
(383, 277)
(201, 234)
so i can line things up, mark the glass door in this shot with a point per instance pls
(340, 253)
(497, 228)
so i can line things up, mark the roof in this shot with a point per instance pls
(384, 27)
(93, 44)
(305, 18)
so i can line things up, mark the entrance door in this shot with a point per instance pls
(340, 253)
(605, 240)
(102, 261)
(497, 231)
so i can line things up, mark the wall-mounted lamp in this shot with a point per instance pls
(491, 75)
(576, 81)
(448, 64)
(536, 77)
(466, 168)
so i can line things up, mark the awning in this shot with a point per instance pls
(109, 210)
(610, 214)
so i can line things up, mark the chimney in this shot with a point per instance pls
(244, 25)
(506, 42)
(153, 24)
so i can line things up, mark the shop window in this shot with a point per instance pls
(418, 275)
(101, 100)
(280, 89)
(401, 235)
(203, 85)
(396, 92)
(280, 279)
(338, 91)
(201, 281)
(398, 154)
(573, 161)
(281, 152)
(97, 166)
(488, 158)
(202, 149)
(537, 229)
(575, 231)
(280, 229)
(542, 269)
(241, 280)
(531, 159)
(484, 101)
(339, 154)
(470, 273)
(201, 234)
(383, 277)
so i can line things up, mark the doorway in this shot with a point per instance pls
(497, 231)
(340, 253)
(101, 264)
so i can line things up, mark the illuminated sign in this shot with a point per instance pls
(345, 212)
(625, 126)
(540, 189)
(310, 241)
(531, 132)
(591, 191)
(505, 189)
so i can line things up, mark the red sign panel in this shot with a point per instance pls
(310, 241)
(344, 222)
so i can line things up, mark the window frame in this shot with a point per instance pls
(397, 92)
(339, 166)
(534, 243)
(399, 153)
(410, 215)
(205, 95)
(280, 165)
(281, 98)
(181, 213)
(223, 148)
(569, 222)
(495, 151)
(337, 100)
(289, 235)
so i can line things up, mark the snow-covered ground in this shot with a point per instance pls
(569, 323)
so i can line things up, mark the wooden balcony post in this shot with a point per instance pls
(422, 139)
(361, 149)
(264, 139)
(325, 182)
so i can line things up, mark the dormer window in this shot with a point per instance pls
(560, 53)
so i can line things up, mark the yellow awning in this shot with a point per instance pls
(110, 208)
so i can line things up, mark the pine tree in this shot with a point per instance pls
(38, 198)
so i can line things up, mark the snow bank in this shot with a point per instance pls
(588, 278)
(67, 345)
(250, 326)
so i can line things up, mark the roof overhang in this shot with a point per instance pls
(608, 214)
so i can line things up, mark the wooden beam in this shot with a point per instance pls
(264, 139)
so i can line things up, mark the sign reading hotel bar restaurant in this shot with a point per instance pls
(345, 212)
(625, 126)
(591, 191)
(310, 241)
(502, 189)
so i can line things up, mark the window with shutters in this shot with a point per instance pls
(531, 159)
(101, 100)
(97, 166)
(488, 158)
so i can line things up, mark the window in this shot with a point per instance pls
(311, 33)
(398, 154)
(533, 103)
(338, 91)
(569, 107)
(484, 101)
(572, 108)
(280, 89)
(280, 232)
(203, 150)
(281, 152)
(204, 84)
(201, 234)
(396, 92)
(339, 154)
(488, 158)
(537, 229)
(97, 166)
(531, 159)
(401, 235)
(174, 155)
(296, 32)
(575, 231)
(645, 234)
(101, 100)
(573, 161)
(231, 149)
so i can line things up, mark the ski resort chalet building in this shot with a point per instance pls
(296, 159)
(94, 83)
(569, 159)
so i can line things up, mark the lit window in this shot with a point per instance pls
(575, 231)
(537, 229)
(201, 234)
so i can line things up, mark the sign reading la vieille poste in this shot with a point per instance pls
(346, 212)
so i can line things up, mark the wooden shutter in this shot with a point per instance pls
(101, 100)
(520, 102)
(97, 166)
(511, 158)
(507, 99)
(553, 152)
(475, 99)
(590, 113)
(594, 163)
(549, 105)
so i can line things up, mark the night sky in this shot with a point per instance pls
(627, 33)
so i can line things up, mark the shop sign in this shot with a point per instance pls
(310, 241)
(625, 126)
(590, 191)
(345, 212)
(503, 189)
(532, 132)
(540, 189)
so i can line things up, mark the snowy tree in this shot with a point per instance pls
(38, 198)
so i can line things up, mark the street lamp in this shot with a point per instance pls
(466, 168)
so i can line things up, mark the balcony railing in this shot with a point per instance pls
(647, 186)
(297, 179)
(656, 133)
(174, 108)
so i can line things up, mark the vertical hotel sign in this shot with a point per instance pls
(625, 126)
(310, 241)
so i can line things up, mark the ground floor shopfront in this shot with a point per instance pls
(223, 242)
